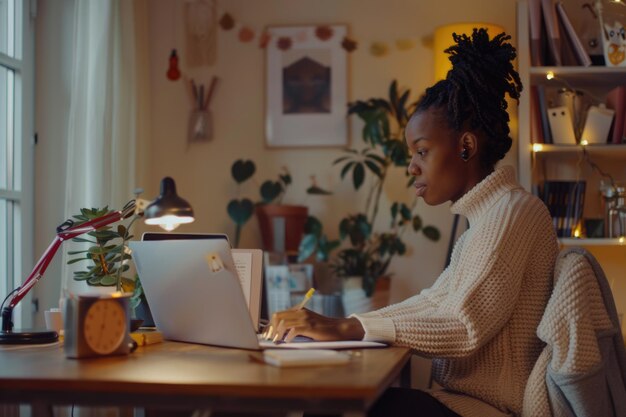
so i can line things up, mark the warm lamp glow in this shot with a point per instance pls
(443, 40)
(584, 142)
(537, 147)
(549, 75)
(621, 240)
(169, 222)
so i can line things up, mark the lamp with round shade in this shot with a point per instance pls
(443, 40)
(168, 210)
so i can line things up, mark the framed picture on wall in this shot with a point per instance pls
(306, 92)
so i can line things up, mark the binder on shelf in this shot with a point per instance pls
(543, 111)
(616, 100)
(571, 37)
(552, 30)
(536, 128)
(537, 38)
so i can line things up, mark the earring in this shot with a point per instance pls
(465, 154)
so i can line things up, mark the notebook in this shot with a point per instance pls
(195, 295)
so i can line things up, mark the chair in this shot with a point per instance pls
(582, 370)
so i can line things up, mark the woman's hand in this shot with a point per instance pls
(287, 324)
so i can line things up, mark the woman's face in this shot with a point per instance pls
(440, 173)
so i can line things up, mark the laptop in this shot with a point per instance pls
(195, 295)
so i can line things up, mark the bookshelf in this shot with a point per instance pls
(570, 162)
(540, 162)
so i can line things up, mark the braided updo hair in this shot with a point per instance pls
(473, 93)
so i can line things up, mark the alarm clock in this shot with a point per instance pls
(97, 326)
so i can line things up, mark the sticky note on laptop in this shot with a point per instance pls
(308, 357)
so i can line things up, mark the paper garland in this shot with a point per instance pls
(247, 34)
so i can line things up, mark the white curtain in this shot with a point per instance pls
(101, 130)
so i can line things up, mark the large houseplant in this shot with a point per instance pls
(361, 250)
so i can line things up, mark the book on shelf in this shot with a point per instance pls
(552, 30)
(616, 100)
(542, 102)
(536, 128)
(565, 201)
(537, 33)
(558, 34)
(572, 45)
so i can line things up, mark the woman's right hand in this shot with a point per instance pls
(287, 324)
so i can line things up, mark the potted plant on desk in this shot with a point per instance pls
(362, 255)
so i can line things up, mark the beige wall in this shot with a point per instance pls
(202, 170)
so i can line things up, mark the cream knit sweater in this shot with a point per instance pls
(479, 319)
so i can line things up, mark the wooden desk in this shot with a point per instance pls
(188, 376)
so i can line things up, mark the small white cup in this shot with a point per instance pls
(54, 319)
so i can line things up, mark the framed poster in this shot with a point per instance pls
(306, 87)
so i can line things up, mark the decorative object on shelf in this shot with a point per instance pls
(97, 326)
(597, 125)
(200, 33)
(561, 126)
(362, 251)
(281, 225)
(173, 73)
(612, 18)
(306, 87)
(200, 128)
(614, 202)
(167, 210)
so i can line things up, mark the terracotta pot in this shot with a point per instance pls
(288, 220)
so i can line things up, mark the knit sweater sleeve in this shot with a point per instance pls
(480, 295)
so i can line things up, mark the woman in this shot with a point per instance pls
(478, 321)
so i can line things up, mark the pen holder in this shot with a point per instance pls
(200, 127)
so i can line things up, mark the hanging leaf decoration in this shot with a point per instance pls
(227, 22)
(284, 43)
(324, 32)
(246, 34)
(264, 39)
(348, 44)
(379, 49)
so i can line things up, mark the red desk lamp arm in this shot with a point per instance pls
(64, 234)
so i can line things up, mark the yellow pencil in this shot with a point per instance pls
(305, 300)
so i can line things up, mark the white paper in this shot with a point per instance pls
(340, 344)
(243, 264)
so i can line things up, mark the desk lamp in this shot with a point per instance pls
(168, 210)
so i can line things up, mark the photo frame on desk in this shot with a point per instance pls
(306, 92)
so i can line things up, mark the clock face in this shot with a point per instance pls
(105, 326)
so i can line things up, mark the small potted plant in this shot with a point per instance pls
(108, 255)
(269, 207)
(361, 252)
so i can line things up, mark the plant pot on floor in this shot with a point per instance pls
(355, 301)
(282, 226)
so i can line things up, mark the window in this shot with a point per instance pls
(16, 130)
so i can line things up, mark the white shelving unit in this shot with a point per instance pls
(538, 162)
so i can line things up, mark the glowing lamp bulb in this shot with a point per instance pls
(537, 147)
(550, 75)
(584, 142)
